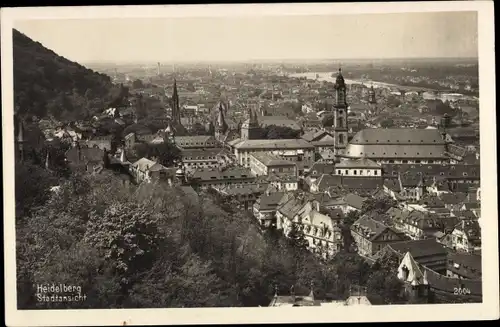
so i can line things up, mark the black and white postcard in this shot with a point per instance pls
(216, 164)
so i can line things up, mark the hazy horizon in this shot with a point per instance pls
(430, 35)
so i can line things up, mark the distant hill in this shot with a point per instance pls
(48, 84)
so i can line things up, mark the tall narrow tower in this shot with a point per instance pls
(250, 127)
(372, 101)
(176, 115)
(159, 69)
(340, 114)
(221, 126)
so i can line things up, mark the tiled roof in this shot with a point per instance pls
(446, 171)
(398, 136)
(270, 201)
(419, 248)
(271, 160)
(358, 163)
(389, 151)
(369, 228)
(319, 168)
(314, 135)
(201, 154)
(449, 285)
(216, 174)
(291, 207)
(464, 264)
(471, 228)
(354, 200)
(274, 144)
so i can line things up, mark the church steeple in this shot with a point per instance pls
(176, 117)
(221, 127)
(371, 95)
(340, 114)
(249, 129)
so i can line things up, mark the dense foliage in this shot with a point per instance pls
(166, 153)
(278, 132)
(48, 84)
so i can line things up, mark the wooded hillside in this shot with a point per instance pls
(48, 84)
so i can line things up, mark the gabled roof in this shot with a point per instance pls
(354, 200)
(314, 135)
(144, 164)
(270, 201)
(415, 273)
(369, 228)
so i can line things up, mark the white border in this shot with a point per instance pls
(489, 309)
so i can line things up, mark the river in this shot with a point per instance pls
(426, 95)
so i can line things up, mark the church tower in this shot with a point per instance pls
(340, 114)
(176, 115)
(372, 101)
(221, 126)
(250, 127)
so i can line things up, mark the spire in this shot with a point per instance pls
(175, 104)
(221, 123)
(400, 181)
(275, 290)
(426, 281)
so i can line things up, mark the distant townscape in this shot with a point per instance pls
(252, 184)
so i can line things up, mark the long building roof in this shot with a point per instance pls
(274, 144)
(398, 136)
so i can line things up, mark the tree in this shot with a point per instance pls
(387, 123)
(198, 129)
(32, 185)
(279, 132)
(327, 120)
(378, 205)
(296, 237)
(127, 234)
(137, 84)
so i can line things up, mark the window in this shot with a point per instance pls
(338, 172)
(355, 172)
(347, 172)
(375, 172)
(341, 138)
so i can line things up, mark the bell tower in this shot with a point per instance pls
(221, 126)
(340, 114)
(250, 128)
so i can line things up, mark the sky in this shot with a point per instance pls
(353, 36)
